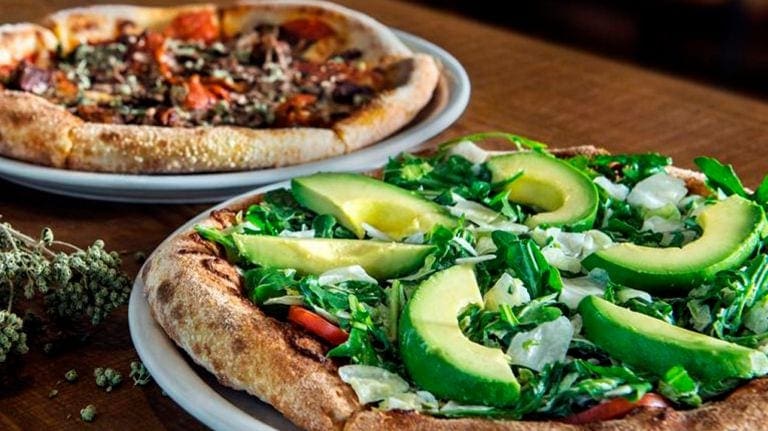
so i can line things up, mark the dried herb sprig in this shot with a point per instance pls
(75, 284)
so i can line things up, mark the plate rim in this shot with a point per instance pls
(110, 186)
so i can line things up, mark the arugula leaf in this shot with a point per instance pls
(335, 298)
(720, 176)
(627, 169)
(677, 385)
(728, 297)
(368, 343)
(440, 175)
(520, 142)
(358, 348)
(524, 257)
(448, 245)
(262, 284)
(761, 194)
(326, 226)
(219, 237)
(562, 388)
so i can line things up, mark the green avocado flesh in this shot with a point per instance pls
(436, 353)
(731, 231)
(356, 199)
(381, 260)
(566, 196)
(657, 346)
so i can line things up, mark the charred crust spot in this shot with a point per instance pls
(238, 345)
(20, 119)
(110, 137)
(207, 245)
(661, 415)
(165, 292)
(216, 364)
(225, 217)
(213, 265)
(177, 312)
(305, 345)
(145, 269)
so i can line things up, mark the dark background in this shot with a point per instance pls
(719, 42)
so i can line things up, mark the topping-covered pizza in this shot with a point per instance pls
(281, 67)
(469, 289)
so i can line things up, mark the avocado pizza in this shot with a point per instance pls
(531, 289)
(200, 88)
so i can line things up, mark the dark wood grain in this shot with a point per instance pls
(520, 84)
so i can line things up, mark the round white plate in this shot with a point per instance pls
(446, 106)
(191, 386)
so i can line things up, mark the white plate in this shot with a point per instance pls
(191, 386)
(446, 106)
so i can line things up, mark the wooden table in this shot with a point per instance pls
(519, 84)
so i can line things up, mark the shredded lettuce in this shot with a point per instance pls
(372, 383)
(576, 289)
(616, 191)
(543, 345)
(507, 290)
(657, 191)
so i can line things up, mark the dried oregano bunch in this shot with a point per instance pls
(75, 284)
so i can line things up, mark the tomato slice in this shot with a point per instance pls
(199, 25)
(197, 96)
(317, 325)
(616, 408)
(311, 29)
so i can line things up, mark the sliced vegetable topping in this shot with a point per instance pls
(462, 303)
(317, 325)
(616, 408)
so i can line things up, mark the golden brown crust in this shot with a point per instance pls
(353, 29)
(34, 129)
(417, 79)
(195, 296)
(93, 24)
(153, 149)
(20, 41)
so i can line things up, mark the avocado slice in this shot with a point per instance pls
(355, 199)
(382, 260)
(436, 353)
(731, 231)
(566, 196)
(657, 346)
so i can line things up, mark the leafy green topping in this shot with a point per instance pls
(520, 142)
(678, 386)
(720, 176)
(529, 265)
(733, 307)
(627, 169)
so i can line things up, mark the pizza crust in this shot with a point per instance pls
(34, 129)
(356, 29)
(19, 41)
(94, 24)
(393, 108)
(195, 295)
(151, 149)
